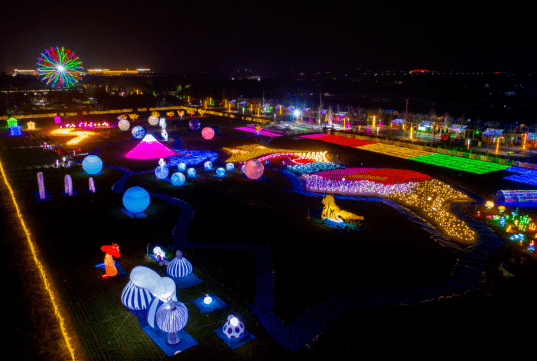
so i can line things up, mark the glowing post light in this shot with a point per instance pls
(207, 300)
(524, 141)
(68, 185)
(41, 184)
(498, 145)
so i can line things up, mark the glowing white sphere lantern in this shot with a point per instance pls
(220, 172)
(123, 124)
(191, 172)
(207, 300)
(181, 167)
(161, 172)
(233, 328)
(230, 167)
(178, 179)
(92, 164)
(153, 120)
(136, 199)
(207, 165)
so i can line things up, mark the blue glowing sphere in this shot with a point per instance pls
(220, 172)
(242, 168)
(230, 167)
(161, 172)
(136, 199)
(207, 165)
(92, 164)
(191, 172)
(194, 124)
(138, 132)
(181, 166)
(178, 179)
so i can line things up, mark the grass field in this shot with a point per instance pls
(312, 262)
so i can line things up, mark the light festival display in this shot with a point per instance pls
(394, 151)
(332, 212)
(220, 172)
(79, 135)
(123, 124)
(194, 124)
(179, 266)
(181, 166)
(230, 167)
(254, 169)
(337, 139)
(149, 148)
(207, 133)
(460, 163)
(136, 199)
(153, 120)
(138, 132)
(261, 131)
(233, 328)
(208, 165)
(60, 68)
(111, 252)
(522, 175)
(161, 172)
(191, 172)
(171, 318)
(518, 196)
(254, 151)
(178, 179)
(92, 164)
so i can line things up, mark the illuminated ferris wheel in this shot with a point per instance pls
(60, 68)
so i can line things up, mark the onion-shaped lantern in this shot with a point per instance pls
(179, 266)
(171, 318)
(136, 298)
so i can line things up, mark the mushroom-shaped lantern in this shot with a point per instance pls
(179, 266)
(171, 318)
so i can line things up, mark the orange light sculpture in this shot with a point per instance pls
(111, 252)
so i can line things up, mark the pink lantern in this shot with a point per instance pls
(57, 119)
(254, 169)
(207, 133)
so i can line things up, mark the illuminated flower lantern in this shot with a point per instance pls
(92, 164)
(207, 133)
(253, 169)
(138, 132)
(111, 252)
(178, 179)
(171, 318)
(179, 266)
(233, 328)
(194, 124)
(136, 199)
(220, 172)
(207, 165)
(123, 124)
(230, 167)
(153, 120)
(181, 166)
(191, 172)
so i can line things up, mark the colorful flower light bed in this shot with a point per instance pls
(261, 132)
(518, 196)
(315, 183)
(192, 157)
(338, 139)
(395, 151)
(527, 176)
(79, 136)
(86, 125)
(244, 153)
(459, 163)
(314, 136)
(378, 175)
(312, 167)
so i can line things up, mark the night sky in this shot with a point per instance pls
(271, 37)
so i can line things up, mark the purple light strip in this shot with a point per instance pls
(314, 183)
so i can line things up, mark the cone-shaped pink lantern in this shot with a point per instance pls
(149, 148)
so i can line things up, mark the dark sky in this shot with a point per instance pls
(271, 37)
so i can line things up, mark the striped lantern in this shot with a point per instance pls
(136, 298)
(179, 266)
(171, 318)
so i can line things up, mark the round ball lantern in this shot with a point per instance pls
(92, 164)
(242, 168)
(181, 167)
(220, 172)
(178, 179)
(207, 165)
(136, 199)
(233, 328)
(123, 124)
(138, 132)
(191, 172)
(194, 124)
(171, 318)
(179, 266)
(207, 133)
(153, 120)
(161, 172)
(254, 169)
(230, 167)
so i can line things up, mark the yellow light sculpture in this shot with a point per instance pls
(122, 116)
(46, 280)
(133, 116)
(334, 213)
(80, 136)
(244, 153)
(31, 126)
(201, 112)
(524, 141)
(170, 114)
(498, 145)
(156, 114)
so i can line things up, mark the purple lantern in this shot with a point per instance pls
(171, 318)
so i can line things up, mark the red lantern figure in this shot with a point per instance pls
(111, 252)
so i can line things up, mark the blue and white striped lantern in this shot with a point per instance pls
(179, 266)
(171, 318)
(136, 298)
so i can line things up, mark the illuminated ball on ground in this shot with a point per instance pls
(254, 169)
(123, 124)
(191, 172)
(162, 172)
(207, 133)
(242, 168)
(233, 328)
(178, 179)
(92, 164)
(220, 172)
(194, 124)
(138, 132)
(136, 199)
(230, 167)
(207, 165)
(153, 120)
(181, 166)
